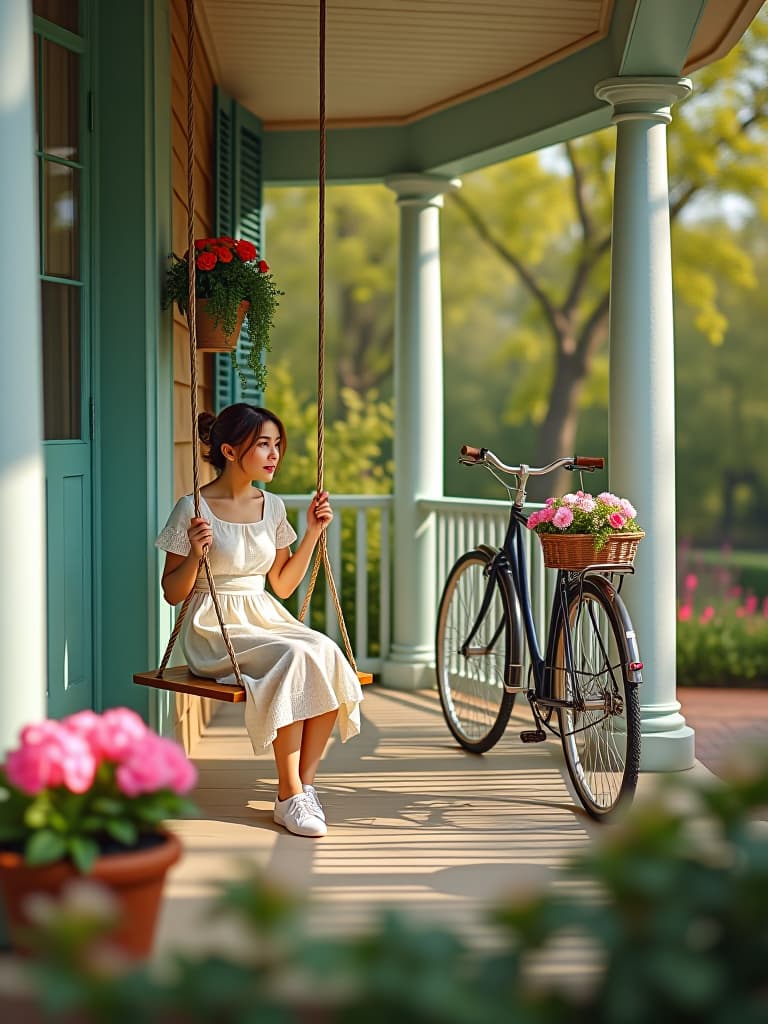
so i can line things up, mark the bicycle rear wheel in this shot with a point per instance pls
(601, 731)
(473, 652)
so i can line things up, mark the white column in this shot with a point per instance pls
(642, 395)
(22, 579)
(418, 447)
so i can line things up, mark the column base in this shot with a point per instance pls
(408, 675)
(667, 744)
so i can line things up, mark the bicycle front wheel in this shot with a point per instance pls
(473, 652)
(600, 729)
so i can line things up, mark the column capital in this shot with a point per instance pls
(421, 189)
(642, 98)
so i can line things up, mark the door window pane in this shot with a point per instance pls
(61, 12)
(61, 361)
(61, 228)
(61, 119)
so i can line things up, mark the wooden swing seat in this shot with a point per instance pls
(181, 680)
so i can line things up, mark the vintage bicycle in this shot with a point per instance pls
(582, 689)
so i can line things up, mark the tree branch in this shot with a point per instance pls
(497, 245)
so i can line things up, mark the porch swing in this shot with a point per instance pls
(180, 679)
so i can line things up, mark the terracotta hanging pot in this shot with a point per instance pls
(135, 878)
(210, 335)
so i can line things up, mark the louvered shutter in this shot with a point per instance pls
(238, 191)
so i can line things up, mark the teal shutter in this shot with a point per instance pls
(238, 200)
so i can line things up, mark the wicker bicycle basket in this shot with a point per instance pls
(577, 550)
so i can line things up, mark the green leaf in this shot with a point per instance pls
(124, 832)
(44, 847)
(107, 805)
(84, 852)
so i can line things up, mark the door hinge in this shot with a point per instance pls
(91, 417)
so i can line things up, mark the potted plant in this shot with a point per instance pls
(231, 285)
(88, 795)
(579, 529)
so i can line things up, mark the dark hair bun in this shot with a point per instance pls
(205, 422)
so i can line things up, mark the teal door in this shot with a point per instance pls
(63, 113)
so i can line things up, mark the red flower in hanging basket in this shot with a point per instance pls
(222, 253)
(263, 267)
(206, 261)
(246, 250)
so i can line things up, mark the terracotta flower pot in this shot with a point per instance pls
(210, 335)
(134, 877)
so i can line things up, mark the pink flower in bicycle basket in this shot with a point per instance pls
(616, 520)
(628, 508)
(533, 520)
(609, 499)
(586, 502)
(563, 518)
(550, 501)
(570, 499)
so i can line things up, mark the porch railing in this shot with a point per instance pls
(360, 554)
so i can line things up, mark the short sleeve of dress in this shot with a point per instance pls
(284, 532)
(173, 537)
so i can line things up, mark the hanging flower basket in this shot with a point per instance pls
(575, 551)
(210, 332)
(229, 275)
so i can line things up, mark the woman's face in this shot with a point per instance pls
(260, 457)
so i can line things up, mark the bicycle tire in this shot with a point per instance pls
(475, 702)
(601, 744)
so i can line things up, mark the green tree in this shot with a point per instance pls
(548, 222)
(361, 247)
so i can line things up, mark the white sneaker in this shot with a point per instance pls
(314, 801)
(298, 816)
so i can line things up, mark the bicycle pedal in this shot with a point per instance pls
(533, 736)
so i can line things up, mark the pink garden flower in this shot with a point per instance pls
(684, 612)
(627, 508)
(616, 520)
(51, 755)
(707, 615)
(609, 499)
(155, 763)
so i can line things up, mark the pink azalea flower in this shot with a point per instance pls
(707, 615)
(684, 613)
(750, 604)
(153, 764)
(691, 581)
(616, 520)
(563, 518)
(118, 733)
(51, 755)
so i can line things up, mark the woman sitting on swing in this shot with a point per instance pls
(298, 682)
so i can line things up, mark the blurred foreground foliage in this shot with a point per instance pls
(670, 908)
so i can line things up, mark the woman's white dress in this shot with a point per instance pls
(291, 672)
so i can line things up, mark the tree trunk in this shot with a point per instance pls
(556, 437)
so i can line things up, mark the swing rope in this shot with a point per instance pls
(321, 556)
(191, 310)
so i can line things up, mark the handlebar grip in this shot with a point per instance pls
(588, 463)
(468, 452)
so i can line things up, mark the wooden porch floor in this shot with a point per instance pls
(414, 823)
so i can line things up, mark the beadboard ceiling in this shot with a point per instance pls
(393, 61)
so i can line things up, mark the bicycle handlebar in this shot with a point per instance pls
(471, 456)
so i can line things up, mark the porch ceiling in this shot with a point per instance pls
(394, 61)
